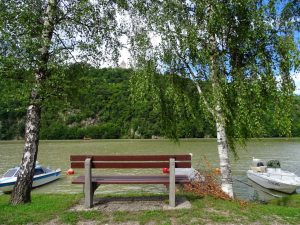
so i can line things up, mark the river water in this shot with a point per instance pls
(56, 154)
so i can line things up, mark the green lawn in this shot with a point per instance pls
(45, 207)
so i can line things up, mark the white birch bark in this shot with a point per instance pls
(223, 148)
(22, 190)
(223, 151)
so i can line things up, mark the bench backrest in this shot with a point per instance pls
(131, 161)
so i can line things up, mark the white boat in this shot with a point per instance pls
(273, 178)
(42, 176)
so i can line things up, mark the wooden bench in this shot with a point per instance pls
(91, 183)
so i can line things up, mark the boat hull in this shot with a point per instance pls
(269, 183)
(7, 185)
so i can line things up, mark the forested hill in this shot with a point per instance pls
(96, 103)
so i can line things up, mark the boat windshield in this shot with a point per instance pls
(47, 170)
(10, 173)
(38, 171)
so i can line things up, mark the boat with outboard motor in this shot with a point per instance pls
(272, 176)
(42, 176)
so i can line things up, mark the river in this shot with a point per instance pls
(56, 155)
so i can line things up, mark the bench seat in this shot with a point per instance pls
(92, 182)
(127, 179)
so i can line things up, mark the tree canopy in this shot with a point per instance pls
(239, 55)
(255, 56)
(37, 36)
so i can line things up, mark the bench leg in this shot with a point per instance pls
(172, 183)
(88, 188)
(95, 186)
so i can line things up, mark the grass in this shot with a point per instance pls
(74, 217)
(290, 201)
(46, 207)
(43, 208)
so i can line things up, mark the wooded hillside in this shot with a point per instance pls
(96, 103)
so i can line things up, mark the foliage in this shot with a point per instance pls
(80, 93)
(232, 52)
(77, 27)
(95, 104)
(38, 36)
(98, 103)
(296, 117)
(14, 92)
(237, 58)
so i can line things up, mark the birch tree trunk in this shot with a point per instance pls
(223, 148)
(22, 189)
(223, 151)
(21, 192)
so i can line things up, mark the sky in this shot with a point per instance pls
(297, 82)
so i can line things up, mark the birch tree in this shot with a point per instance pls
(239, 55)
(37, 36)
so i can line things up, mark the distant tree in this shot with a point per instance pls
(296, 117)
(37, 36)
(14, 89)
(238, 54)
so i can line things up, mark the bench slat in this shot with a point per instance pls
(130, 157)
(132, 180)
(132, 165)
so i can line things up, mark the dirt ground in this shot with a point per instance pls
(131, 204)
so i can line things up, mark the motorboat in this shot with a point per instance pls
(272, 176)
(42, 175)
